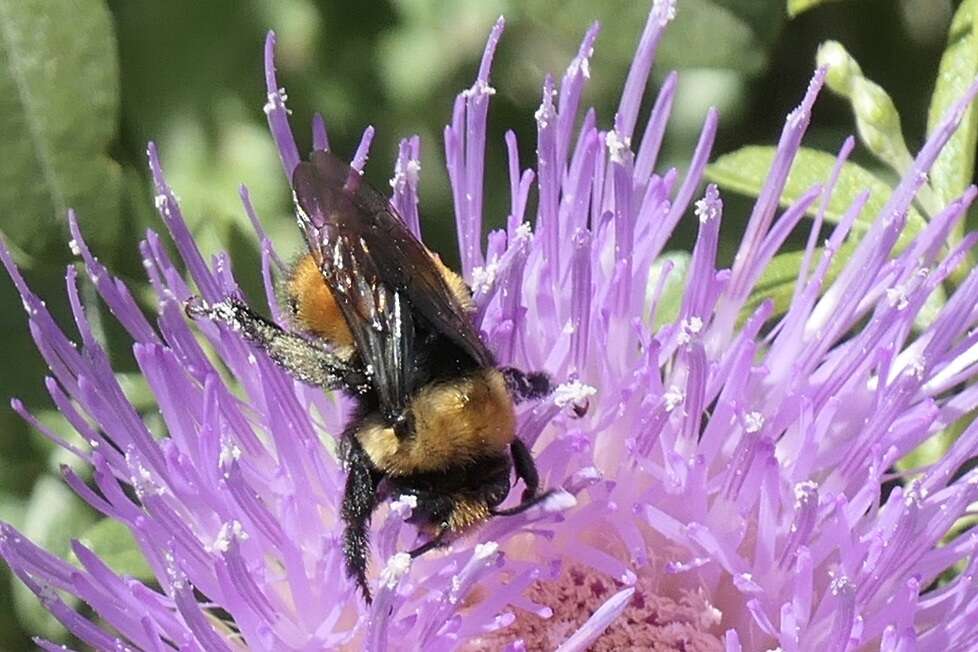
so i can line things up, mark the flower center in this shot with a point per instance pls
(649, 622)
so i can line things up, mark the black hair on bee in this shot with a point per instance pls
(378, 315)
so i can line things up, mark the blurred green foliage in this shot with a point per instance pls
(86, 83)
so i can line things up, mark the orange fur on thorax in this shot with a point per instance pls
(314, 308)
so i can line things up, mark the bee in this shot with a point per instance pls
(376, 314)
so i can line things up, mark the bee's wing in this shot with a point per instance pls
(382, 277)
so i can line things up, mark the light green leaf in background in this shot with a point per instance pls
(671, 299)
(746, 170)
(114, 544)
(59, 109)
(53, 515)
(796, 7)
(727, 34)
(778, 280)
(953, 170)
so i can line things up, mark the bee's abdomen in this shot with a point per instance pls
(455, 422)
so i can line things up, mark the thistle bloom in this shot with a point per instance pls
(723, 492)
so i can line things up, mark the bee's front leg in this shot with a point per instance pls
(525, 468)
(525, 386)
(434, 542)
(305, 360)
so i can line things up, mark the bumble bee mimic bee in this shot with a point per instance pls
(375, 313)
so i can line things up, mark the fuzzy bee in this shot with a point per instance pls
(376, 314)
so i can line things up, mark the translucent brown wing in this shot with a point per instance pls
(384, 280)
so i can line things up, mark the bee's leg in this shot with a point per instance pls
(525, 468)
(523, 506)
(435, 542)
(535, 385)
(304, 360)
(359, 501)
(524, 386)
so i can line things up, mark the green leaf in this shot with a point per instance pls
(671, 299)
(728, 34)
(935, 447)
(778, 279)
(953, 170)
(54, 514)
(114, 544)
(746, 170)
(796, 7)
(59, 107)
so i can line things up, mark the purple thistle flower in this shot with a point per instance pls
(723, 492)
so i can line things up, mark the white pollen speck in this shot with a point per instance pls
(396, 568)
(897, 296)
(230, 452)
(159, 201)
(140, 477)
(688, 328)
(617, 145)
(410, 501)
(542, 116)
(840, 585)
(485, 550)
(73, 246)
(581, 64)
(673, 397)
(713, 615)
(753, 421)
(795, 118)
(805, 491)
(559, 501)
(664, 11)
(229, 532)
(706, 210)
(483, 277)
(915, 494)
(404, 505)
(275, 100)
(572, 393)
(480, 87)
(916, 367)
(524, 232)
(588, 473)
